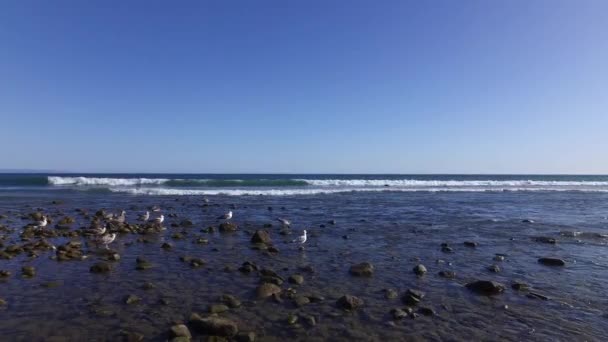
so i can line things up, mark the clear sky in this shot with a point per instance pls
(316, 86)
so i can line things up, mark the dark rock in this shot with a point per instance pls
(471, 244)
(186, 223)
(545, 239)
(494, 268)
(245, 337)
(348, 302)
(398, 313)
(28, 271)
(426, 311)
(412, 297)
(390, 294)
(498, 257)
(552, 262)
(447, 274)
(419, 269)
(520, 286)
(332, 222)
(231, 301)
(447, 249)
(132, 299)
(201, 241)
(485, 287)
(197, 262)
(296, 279)
(364, 269)
(301, 301)
(142, 264)
(261, 236)
(228, 227)
(266, 290)
(166, 245)
(180, 330)
(3, 302)
(4, 273)
(216, 326)
(527, 221)
(66, 221)
(100, 267)
(218, 308)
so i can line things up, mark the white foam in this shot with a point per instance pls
(105, 181)
(445, 183)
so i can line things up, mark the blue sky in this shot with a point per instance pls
(305, 86)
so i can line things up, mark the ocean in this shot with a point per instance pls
(462, 228)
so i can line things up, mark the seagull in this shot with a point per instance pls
(206, 200)
(43, 223)
(155, 208)
(159, 219)
(107, 239)
(226, 217)
(284, 222)
(301, 239)
(98, 230)
(120, 218)
(144, 217)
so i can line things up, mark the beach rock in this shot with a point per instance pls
(197, 262)
(66, 221)
(545, 239)
(142, 264)
(364, 269)
(398, 313)
(230, 300)
(245, 337)
(412, 297)
(471, 244)
(218, 308)
(332, 222)
(186, 223)
(166, 246)
(447, 274)
(552, 262)
(419, 269)
(266, 290)
(485, 287)
(301, 300)
(132, 299)
(3, 302)
(494, 268)
(296, 279)
(348, 302)
(215, 326)
(100, 267)
(390, 293)
(426, 311)
(248, 267)
(201, 241)
(5, 273)
(28, 271)
(261, 236)
(447, 249)
(292, 319)
(228, 227)
(180, 330)
(520, 286)
(527, 221)
(499, 258)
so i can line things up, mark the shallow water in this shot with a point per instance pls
(392, 230)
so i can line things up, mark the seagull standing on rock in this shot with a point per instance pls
(284, 222)
(144, 217)
(121, 218)
(107, 239)
(159, 219)
(301, 239)
(42, 223)
(226, 216)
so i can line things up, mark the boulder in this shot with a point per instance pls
(485, 287)
(552, 262)
(348, 302)
(364, 269)
(215, 326)
(261, 236)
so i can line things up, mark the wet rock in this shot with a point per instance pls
(398, 313)
(447, 274)
(132, 299)
(552, 262)
(364, 269)
(494, 268)
(51, 284)
(216, 326)
(218, 308)
(301, 300)
(499, 257)
(66, 221)
(100, 267)
(296, 279)
(273, 250)
(471, 244)
(412, 297)
(180, 330)
(527, 221)
(228, 227)
(248, 267)
(245, 337)
(426, 311)
(419, 269)
(3, 302)
(186, 223)
(292, 319)
(177, 236)
(142, 264)
(266, 290)
(332, 222)
(148, 286)
(390, 294)
(520, 286)
(348, 302)
(485, 287)
(201, 241)
(261, 236)
(28, 271)
(113, 257)
(230, 300)
(5, 273)
(545, 239)
(447, 249)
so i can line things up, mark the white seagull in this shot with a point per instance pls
(226, 217)
(144, 217)
(99, 230)
(159, 219)
(284, 222)
(301, 239)
(107, 239)
(120, 218)
(42, 223)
